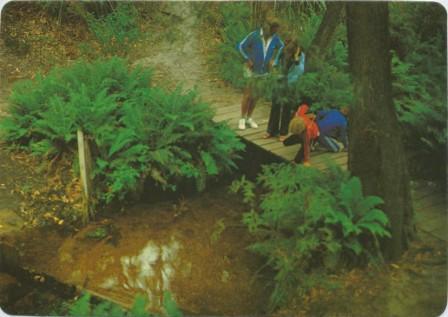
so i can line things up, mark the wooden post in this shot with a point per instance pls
(85, 166)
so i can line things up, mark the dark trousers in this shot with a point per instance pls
(280, 114)
(297, 139)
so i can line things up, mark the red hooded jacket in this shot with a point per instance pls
(312, 130)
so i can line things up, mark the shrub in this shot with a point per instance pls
(116, 31)
(328, 84)
(236, 25)
(307, 222)
(136, 131)
(419, 84)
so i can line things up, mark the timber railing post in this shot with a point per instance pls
(85, 166)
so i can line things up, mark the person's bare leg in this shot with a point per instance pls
(245, 103)
(250, 110)
(251, 106)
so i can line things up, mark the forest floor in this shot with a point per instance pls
(199, 238)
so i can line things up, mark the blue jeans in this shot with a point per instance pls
(328, 143)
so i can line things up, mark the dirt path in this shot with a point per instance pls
(9, 202)
(182, 62)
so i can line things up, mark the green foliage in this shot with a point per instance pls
(116, 31)
(218, 229)
(419, 84)
(235, 26)
(83, 308)
(328, 83)
(136, 131)
(170, 306)
(307, 222)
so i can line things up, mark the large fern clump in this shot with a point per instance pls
(136, 131)
(307, 223)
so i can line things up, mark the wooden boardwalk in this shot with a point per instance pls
(231, 114)
(429, 203)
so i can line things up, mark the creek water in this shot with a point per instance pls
(195, 248)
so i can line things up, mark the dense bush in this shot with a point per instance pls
(307, 222)
(116, 31)
(235, 26)
(419, 84)
(136, 131)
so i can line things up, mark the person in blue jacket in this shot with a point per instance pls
(292, 66)
(261, 50)
(333, 126)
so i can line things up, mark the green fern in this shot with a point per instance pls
(136, 131)
(84, 308)
(118, 30)
(307, 222)
(139, 307)
(170, 306)
(81, 307)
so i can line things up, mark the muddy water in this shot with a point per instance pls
(194, 248)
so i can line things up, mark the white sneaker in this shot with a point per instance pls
(252, 123)
(340, 146)
(242, 124)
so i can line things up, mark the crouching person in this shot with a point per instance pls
(333, 129)
(303, 130)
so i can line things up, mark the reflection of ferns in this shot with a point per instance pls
(137, 131)
(308, 222)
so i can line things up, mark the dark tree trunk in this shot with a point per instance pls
(376, 152)
(323, 38)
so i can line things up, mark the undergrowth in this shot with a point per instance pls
(308, 223)
(117, 31)
(136, 131)
(84, 307)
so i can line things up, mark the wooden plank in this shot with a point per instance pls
(249, 131)
(227, 109)
(288, 152)
(325, 156)
(234, 116)
(433, 199)
(342, 162)
(264, 142)
(273, 147)
(422, 189)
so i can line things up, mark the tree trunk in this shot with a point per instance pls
(376, 153)
(323, 38)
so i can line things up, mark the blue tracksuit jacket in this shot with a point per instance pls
(251, 47)
(330, 120)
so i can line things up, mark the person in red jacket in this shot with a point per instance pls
(304, 129)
